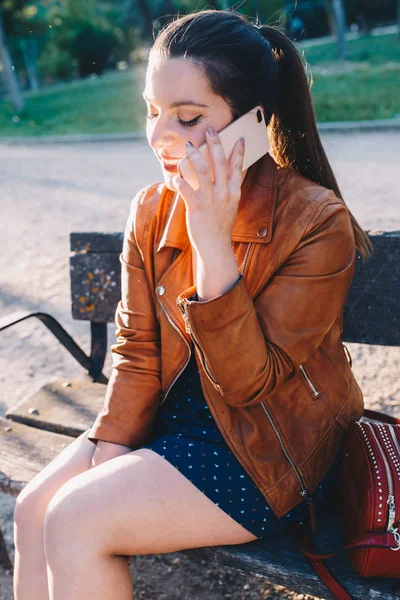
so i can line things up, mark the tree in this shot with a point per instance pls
(29, 24)
(23, 25)
(340, 28)
(10, 77)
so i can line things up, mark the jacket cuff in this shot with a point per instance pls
(211, 314)
(195, 298)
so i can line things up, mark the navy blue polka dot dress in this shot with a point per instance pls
(187, 435)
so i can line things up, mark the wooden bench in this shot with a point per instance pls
(40, 427)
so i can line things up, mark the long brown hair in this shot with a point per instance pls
(247, 65)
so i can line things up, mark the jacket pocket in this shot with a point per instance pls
(314, 388)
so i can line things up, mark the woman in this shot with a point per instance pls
(231, 391)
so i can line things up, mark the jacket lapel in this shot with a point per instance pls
(257, 203)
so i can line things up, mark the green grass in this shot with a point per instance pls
(109, 104)
(367, 89)
(376, 51)
(359, 95)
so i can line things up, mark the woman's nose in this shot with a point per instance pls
(160, 134)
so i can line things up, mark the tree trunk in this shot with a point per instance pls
(10, 78)
(29, 52)
(340, 28)
(9, 75)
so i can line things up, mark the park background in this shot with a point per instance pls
(77, 66)
(73, 154)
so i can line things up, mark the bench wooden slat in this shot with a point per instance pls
(24, 452)
(278, 560)
(66, 406)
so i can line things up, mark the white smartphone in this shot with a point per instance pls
(251, 126)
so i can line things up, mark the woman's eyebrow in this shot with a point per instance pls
(180, 103)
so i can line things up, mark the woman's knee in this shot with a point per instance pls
(30, 507)
(66, 514)
(34, 499)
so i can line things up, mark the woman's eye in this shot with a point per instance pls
(189, 123)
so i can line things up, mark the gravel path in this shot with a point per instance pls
(48, 191)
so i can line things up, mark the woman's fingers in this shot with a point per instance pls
(219, 160)
(184, 189)
(227, 174)
(236, 168)
(201, 167)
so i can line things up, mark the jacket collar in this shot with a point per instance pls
(255, 214)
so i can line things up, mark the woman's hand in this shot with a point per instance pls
(106, 451)
(212, 209)
(211, 212)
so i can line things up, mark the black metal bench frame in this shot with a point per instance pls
(371, 316)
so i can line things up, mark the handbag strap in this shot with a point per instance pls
(378, 416)
(306, 547)
(368, 540)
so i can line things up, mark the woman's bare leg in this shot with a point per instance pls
(30, 569)
(133, 504)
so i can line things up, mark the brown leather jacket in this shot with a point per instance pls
(273, 368)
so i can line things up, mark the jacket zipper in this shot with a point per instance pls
(304, 492)
(182, 302)
(390, 501)
(246, 256)
(188, 347)
(310, 383)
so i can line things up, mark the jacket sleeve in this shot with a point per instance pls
(250, 348)
(133, 391)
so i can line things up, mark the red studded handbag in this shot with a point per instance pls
(369, 494)
(369, 503)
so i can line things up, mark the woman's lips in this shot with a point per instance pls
(170, 164)
(171, 168)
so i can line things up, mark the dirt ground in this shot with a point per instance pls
(49, 191)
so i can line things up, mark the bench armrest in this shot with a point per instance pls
(93, 364)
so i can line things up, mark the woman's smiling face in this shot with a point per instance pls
(180, 107)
